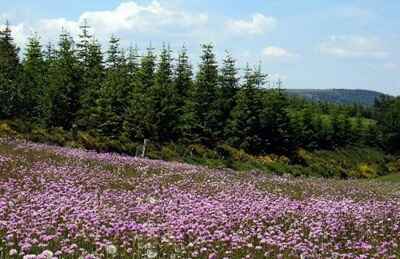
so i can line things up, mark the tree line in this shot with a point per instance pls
(128, 96)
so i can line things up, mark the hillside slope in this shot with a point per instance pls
(339, 96)
(71, 203)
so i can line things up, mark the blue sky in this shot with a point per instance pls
(308, 43)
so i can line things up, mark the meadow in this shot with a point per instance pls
(58, 202)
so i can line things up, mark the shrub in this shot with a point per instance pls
(39, 135)
(21, 126)
(87, 141)
(197, 150)
(59, 136)
(230, 153)
(364, 170)
(6, 131)
(169, 152)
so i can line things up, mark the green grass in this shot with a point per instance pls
(394, 178)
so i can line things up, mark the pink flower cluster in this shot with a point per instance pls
(71, 208)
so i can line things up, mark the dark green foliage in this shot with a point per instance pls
(112, 103)
(35, 81)
(388, 117)
(275, 122)
(202, 118)
(229, 86)
(259, 122)
(140, 118)
(338, 96)
(93, 75)
(345, 163)
(64, 85)
(245, 126)
(10, 69)
(183, 76)
(165, 100)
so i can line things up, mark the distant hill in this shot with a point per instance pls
(339, 96)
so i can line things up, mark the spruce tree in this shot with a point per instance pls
(244, 126)
(93, 73)
(201, 117)
(229, 85)
(164, 99)
(10, 100)
(35, 83)
(64, 84)
(275, 121)
(183, 76)
(140, 117)
(111, 106)
(133, 63)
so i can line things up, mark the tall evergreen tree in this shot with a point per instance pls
(275, 121)
(133, 63)
(85, 39)
(244, 126)
(164, 99)
(9, 74)
(389, 122)
(111, 106)
(35, 83)
(183, 76)
(93, 73)
(147, 69)
(229, 85)
(140, 117)
(64, 84)
(201, 115)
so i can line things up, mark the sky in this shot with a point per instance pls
(351, 44)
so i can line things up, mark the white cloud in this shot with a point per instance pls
(391, 66)
(128, 18)
(258, 25)
(277, 52)
(142, 18)
(353, 47)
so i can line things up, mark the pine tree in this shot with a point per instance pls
(140, 116)
(274, 121)
(164, 99)
(133, 62)
(112, 104)
(35, 83)
(388, 122)
(244, 126)
(85, 40)
(201, 119)
(9, 75)
(93, 73)
(183, 75)
(114, 54)
(229, 85)
(64, 85)
(147, 69)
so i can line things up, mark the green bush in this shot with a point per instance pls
(21, 126)
(87, 141)
(197, 150)
(343, 163)
(59, 136)
(6, 130)
(170, 153)
(227, 152)
(364, 170)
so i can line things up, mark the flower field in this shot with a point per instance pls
(69, 203)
